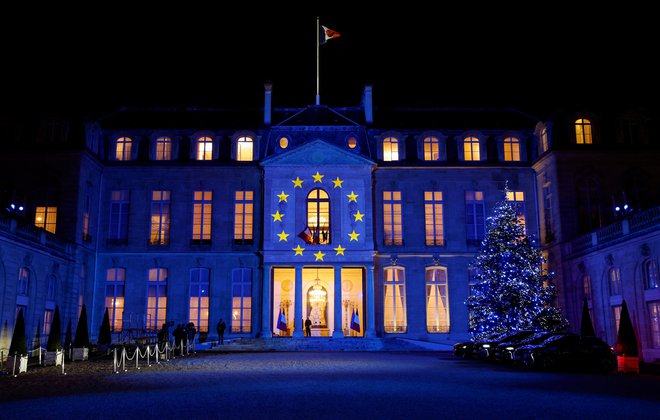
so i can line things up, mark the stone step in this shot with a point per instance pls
(317, 344)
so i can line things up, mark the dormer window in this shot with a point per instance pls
(123, 148)
(204, 148)
(511, 149)
(390, 149)
(543, 138)
(284, 142)
(163, 148)
(245, 149)
(431, 148)
(471, 149)
(583, 134)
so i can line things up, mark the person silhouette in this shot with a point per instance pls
(220, 328)
(308, 327)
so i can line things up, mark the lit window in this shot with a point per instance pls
(471, 149)
(114, 296)
(318, 216)
(544, 140)
(284, 142)
(123, 148)
(654, 315)
(241, 307)
(352, 142)
(475, 215)
(244, 149)
(390, 149)
(199, 298)
(583, 131)
(431, 148)
(119, 216)
(614, 275)
(202, 216)
(392, 227)
(517, 199)
(23, 281)
(204, 148)
(616, 311)
(48, 321)
(163, 148)
(156, 298)
(433, 218)
(46, 218)
(511, 149)
(160, 218)
(243, 216)
(395, 300)
(86, 231)
(586, 285)
(437, 309)
(650, 272)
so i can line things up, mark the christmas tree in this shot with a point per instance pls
(512, 291)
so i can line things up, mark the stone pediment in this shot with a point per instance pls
(316, 152)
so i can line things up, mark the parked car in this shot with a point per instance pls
(469, 349)
(504, 350)
(569, 351)
(487, 349)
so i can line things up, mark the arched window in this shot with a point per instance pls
(199, 298)
(163, 148)
(471, 149)
(318, 216)
(390, 149)
(583, 131)
(437, 309)
(586, 284)
(156, 297)
(114, 296)
(431, 148)
(244, 149)
(204, 148)
(395, 300)
(588, 205)
(614, 276)
(123, 148)
(650, 273)
(543, 139)
(511, 149)
(23, 281)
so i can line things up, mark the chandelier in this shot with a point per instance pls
(317, 295)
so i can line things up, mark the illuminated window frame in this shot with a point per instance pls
(431, 146)
(654, 320)
(202, 212)
(471, 149)
(204, 148)
(543, 139)
(511, 149)
(200, 283)
(245, 149)
(160, 218)
(583, 131)
(45, 217)
(23, 285)
(650, 273)
(517, 199)
(124, 148)
(614, 281)
(156, 298)
(115, 288)
(318, 215)
(437, 300)
(163, 148)
(392, 218)
(394, 296)
(243, 217)
(390, 149)
(241, 311)
(433, 218)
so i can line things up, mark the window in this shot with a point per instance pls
(86, 231)
(437, 309)
(82, 282)
(115, 279)
(156, 298)
(632, 131)
(616, 311)
(51, 287)
(243, 217)
(284, 142)
(202, 216)
(46, 218)
(23, 281)
(511, 149)
(475, 215)
(392, 228)
(48, 322)
(471, 149)
(583, 131)
(318, 216)
(543, 137)
(163, 148)
(517, 199)
(431, 148)
(123, 148)
(433, 218)
(119, 216)
(390, 149)
(650, 273)
(352, 142)
(614, 275)
(547, 213)
(160, 218)
(244, 149)
(241, 306)
(204, 148)
(395, 300)
(588, 205)
(654, 315)
(199, 298)
(586, 285)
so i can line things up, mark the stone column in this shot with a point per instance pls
(370, 318)
(266, 324)
(298, 311)
(337, 332)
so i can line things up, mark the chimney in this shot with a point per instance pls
(268, 94)
(367, 104)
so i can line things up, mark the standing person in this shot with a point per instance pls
(221, 331)
(308, 327)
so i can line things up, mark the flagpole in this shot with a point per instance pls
(318, 96)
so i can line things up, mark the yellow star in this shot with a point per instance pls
(297, 183)
(283, 236)
(352, 197)
(337, 182)
(298, 250)
(277, 217)
(283, 196)
(353, 235)
(318, 177)
(340, 250)
(319, 256)
(358, 216)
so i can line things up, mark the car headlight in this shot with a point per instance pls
(510, 348)
(486, 346)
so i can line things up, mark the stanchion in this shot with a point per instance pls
(13, 372)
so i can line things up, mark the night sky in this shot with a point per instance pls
(531, 59)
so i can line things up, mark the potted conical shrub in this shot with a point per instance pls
(81, 339)
(627, 353)
(105, 335)
(18, 348)
(54, 345)
(586, 326)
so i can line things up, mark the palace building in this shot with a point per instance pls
(362, 220)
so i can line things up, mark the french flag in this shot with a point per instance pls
(355, 321)
(281, 321)
(327, 34)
